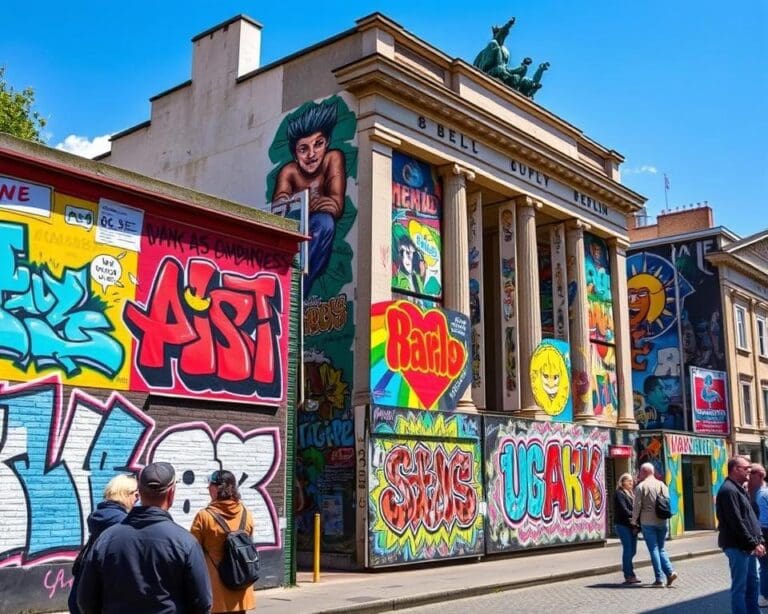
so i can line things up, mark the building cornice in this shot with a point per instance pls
(728, 260)
(377, 74)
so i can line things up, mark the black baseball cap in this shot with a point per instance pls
(157, 477)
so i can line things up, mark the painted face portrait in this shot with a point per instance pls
(310, 152)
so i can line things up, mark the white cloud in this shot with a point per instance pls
(81, 146)
(638, 170)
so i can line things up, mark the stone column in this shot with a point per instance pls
(758, 405)
(374, 238)
(579, 323)
(618, 261)
(456, 249)
(528, 304)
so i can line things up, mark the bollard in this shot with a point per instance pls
(316, 558)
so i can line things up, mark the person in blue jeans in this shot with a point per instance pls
(623, 499)
(739, 536)
(758, 497)
(654, 528)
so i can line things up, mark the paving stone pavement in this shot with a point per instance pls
(701, 588)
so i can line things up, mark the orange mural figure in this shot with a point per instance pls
(647, 303)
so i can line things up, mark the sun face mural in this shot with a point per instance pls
(550, 379)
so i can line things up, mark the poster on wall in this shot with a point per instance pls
(508, 374)
(476, 302)
(425, 487)
(551, 379)
(416, 228)
(709, 401)
(419, 357)
(313, 149)
(110, 296)
(545, 483)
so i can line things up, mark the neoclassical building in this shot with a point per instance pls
(465, 302)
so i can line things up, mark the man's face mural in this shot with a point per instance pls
(310, 152)
(639, 305)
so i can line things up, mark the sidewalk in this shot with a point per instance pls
(388, 590)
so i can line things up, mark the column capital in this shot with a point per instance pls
(526, 201)
(381, 135)
(454, 169)
(576, 224)
(619, 243)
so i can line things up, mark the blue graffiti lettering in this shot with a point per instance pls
(60, 480)
(55, 323)
(524, 489)
(326, 434)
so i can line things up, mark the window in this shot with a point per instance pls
(762, 337)
(765, 403)
(746, 403)
(741, 327)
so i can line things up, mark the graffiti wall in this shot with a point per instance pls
(314, 149)
(419, 357)
(508, 294)
(545, 484)
(417, 209)
(61, 445)
(602, 338)
(110, 296)
(675, 324)
(425, 487)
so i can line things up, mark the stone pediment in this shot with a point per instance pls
(756, 254)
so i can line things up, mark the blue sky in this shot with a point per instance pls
(676, 87)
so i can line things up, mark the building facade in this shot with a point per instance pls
(697, 373)
(130, 332)
(466, 346)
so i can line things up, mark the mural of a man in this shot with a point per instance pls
(320, 170)
(661, 413)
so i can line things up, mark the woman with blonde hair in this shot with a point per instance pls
(207, 527)
(623, 499)
(120, 495)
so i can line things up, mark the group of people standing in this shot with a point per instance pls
(635, 512)
(137, 559)
(741, 506)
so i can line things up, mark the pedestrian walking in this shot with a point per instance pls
(623, 499)
(758, 497)
(739, 536)
(120, 495)
(654, 529)
(210, 527)
(147, 563)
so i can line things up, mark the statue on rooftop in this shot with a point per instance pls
(494, 61)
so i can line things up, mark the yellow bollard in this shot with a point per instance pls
(316, 558)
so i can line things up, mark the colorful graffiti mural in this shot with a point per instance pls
(417, 209)
(551, 379)
(57, 455)
(675, 324)
(602, 338)
(507, 291)
(666, 452)
(419, 358)
(545, 483)
(425, 488)
(111, 297)
(313, 149)
(476, 302)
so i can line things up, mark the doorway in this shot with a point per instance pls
(697, 493)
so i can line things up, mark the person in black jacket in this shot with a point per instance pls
(147, 563)
(622, 520)
(739, 536)
(120, 496)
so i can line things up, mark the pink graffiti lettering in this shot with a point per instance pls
(58, 582)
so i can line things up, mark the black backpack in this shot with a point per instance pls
(239, 567)
(663, 506)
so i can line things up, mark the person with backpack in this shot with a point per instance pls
(224, 529)
(120, 495)
(650, 511)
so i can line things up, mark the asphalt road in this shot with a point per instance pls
(702, 588)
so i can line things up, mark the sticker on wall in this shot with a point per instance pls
(710, 401)
(416, 228)
(419, 358)
(551, 379)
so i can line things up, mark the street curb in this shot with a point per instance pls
(401, 603)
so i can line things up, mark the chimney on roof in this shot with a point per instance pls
(225, 52)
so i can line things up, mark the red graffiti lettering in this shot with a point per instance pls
(222, 328)
(428, 488)
(590, 464)
(553, 478)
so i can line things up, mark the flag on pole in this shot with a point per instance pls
(666, 182)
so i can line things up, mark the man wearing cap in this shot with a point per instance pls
(147, 563)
